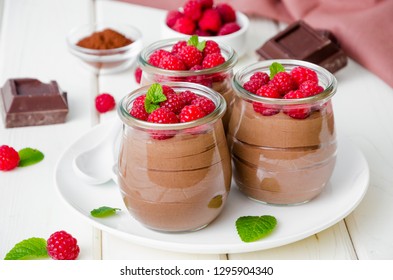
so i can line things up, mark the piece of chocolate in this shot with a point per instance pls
(301, 41)
(29, 102)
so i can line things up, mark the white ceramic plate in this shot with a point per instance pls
(346, 189)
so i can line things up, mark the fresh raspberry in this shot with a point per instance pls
(138, 75)
(206, 4)
(193, 9)
(184, 25)
(253, 85)
(265, 109)
(227, 13)
(210, 21)
(228, 28)
(139, 112)
(204, 103)
(301, 74)
(264, 77)
(190, 113)
(156, 56)
(188, 96)
(203, 33)
(139, 101)
(190, 56)
(172, 62)
(296, 111)
(166, 90)
(212, 60)
(310, 88)
(178, 46)
(105, 102)
(283, 82)
(172, 16)
(174, 102)
(9, 158)
(268, 90)
(163, 115)
(211, 47)
(62, 246)
(295, 94)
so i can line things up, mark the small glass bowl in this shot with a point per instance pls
(105, 61)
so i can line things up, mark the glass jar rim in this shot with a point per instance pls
(329, 90)
(217, 98)
(230, 62)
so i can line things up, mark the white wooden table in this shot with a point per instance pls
(32, 44)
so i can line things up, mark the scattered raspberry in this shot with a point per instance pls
(210, 21)
(187, 96)
(227, 13)
(301, 74)
(193, 9)
(172, 17)
(9, 158)
(174, 103)
(212, 60)
(310, 88)
(163, 115)
(265, 109)
(191, 113)
(156, 56)
(228, 28)
(190, 56)
(264, 77)
(283, 82)
(268, 90)
(205, 104)
(62, 246)
(104, 102)
(184, 25)
(211, 47)
(138, 75)
(253, 85)
(178, 46)
(172, 62)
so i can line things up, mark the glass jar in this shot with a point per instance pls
(174, 177)
(218, 78)
(278, 158)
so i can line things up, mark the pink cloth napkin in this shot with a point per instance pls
(364, 28)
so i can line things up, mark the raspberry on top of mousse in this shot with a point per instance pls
(300, 82)
(162, 105)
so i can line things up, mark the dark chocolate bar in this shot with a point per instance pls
(29, 102)
(301, 41)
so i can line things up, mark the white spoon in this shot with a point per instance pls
(95, 166)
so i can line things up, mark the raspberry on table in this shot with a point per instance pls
(138, 75)
(104, 102)
(62, 246)
(9, 158)
(190, 113)
(212, 60)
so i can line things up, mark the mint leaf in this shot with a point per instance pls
(253, 228)
(194, 41)
(29, 156)
(104, 211)
(31, 248)
(275, 68)
(154, 96)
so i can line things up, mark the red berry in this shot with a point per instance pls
(174, 102)
(310, 88)
(184, 25)
(138, 75)
(260, 76)
(193, 9)
(163, 115)
(139, 112)
(9, 158)
(212, 60)
(190, 56)
(62, 246)
(211, 47)
(172, 16)
(265, 109)
(156, 56)
(206, 4)
(187, 96)
(172, 62)
(190, 113)
(227, 13)
(228, 28)
(295, 94)
(105, 102)
(166, 90)
(203, 33)
(253, 85)
(178, 46)
(283, 82)
(140, 100)
(296, 111)
(210, 21)
(204, 103)
(268, 90)
(301, 74)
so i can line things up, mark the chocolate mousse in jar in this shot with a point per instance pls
(174, 163)
(281, 133)
(190, 60)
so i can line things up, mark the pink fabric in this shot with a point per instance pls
(364, 28)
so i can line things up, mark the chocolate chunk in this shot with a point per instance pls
(300, 41)
(29, 102)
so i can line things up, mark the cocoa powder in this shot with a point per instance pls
(104, 40)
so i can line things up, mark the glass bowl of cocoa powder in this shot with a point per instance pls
(105, 48)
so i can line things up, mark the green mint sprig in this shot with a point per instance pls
(154, 96)
(275, 68)
(253, 228)
(29, 156)
(31, 248)
(194, 41)
(104, 211)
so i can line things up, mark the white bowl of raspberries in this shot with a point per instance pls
(219, 22)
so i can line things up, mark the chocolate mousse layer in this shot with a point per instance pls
(176, 184)
(281, 160)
